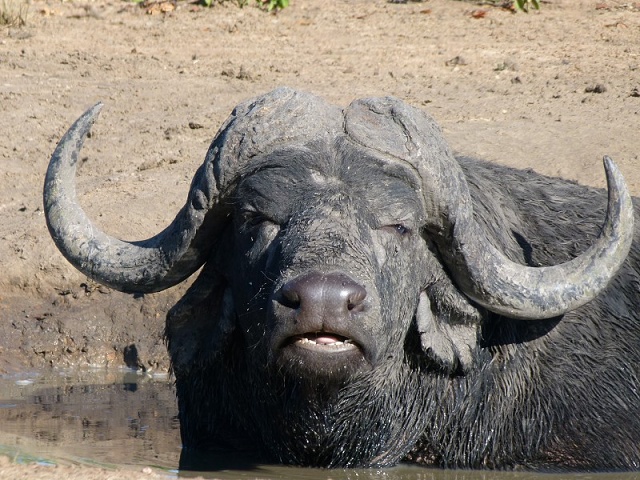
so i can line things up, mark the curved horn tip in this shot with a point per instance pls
(86, 120)
(614, 175)
(98, 106)
(617, 186)
(91, 114)
(78, 131)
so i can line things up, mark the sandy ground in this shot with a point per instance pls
(553, 90)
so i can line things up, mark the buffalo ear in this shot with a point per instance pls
(451, 346)
(201, 324)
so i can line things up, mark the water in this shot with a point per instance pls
(90, 416)
(124, 418)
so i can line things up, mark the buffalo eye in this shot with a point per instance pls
(398, 229)
(252, 219)
(401, 229)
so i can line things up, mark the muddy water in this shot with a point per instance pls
(123, 418)
(109, 418)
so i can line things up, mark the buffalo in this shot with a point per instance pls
(367, 298)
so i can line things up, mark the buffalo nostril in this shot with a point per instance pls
(355, 297)
(315, 292)
(289, 296)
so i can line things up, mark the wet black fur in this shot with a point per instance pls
(554, 394)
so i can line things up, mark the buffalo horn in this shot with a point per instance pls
(508, 288)
(479, 269)
(280, 118)
(142, 266)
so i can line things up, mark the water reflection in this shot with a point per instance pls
(123, 418)
(99, 417)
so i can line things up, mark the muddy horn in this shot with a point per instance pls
(508, 288)
(143, 266)
(480, 270)
(257, 126)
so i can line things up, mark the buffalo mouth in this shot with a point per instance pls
(323, 342)
(322, 354)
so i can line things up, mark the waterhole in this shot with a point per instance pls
(92, 416)
(125, 418)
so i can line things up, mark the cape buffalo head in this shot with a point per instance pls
(332, 239)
